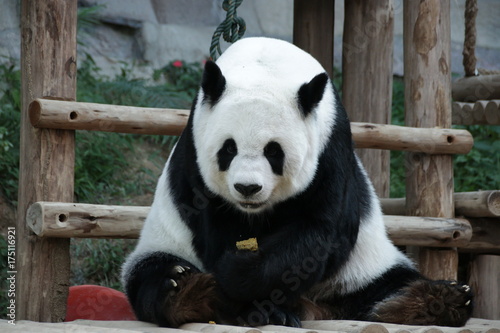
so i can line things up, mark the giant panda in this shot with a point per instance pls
(267, 153)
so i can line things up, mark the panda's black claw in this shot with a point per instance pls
(295, 322)
(173, 283)
(284, 317)
(278, 318)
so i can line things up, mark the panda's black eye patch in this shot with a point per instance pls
(276, 157)
(226, 154)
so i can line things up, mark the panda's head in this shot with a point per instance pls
(259, 129)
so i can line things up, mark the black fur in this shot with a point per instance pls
(358, 305)
(275, 156)
(311, 93)
(149, 284)
(226, 154)
(213, 82)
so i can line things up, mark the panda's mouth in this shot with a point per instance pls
(251, 205)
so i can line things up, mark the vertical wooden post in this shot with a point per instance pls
(485, 282)
(313, 29)
(48, 69)
(367, 76)
(427, 77)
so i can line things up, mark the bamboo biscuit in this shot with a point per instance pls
(248, 244)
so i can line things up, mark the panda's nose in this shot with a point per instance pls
(247, 189)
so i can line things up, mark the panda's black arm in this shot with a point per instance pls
(288, 263)
(149, 283)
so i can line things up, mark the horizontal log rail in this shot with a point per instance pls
(72, 220)
(56, 114)
(428, 231)
(46, 113)
(474, 88)
(469, 204)
(424, 140)
(75, 220)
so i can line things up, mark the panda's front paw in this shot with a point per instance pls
(261, 313)
(191, 296)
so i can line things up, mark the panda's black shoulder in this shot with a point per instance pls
(183, 171)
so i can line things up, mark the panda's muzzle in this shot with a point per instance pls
(248, 190)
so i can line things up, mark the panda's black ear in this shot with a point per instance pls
(310, 94)
(213, 82)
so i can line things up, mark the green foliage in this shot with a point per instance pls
(4, 300)
(10, 104)
(181, 76)
(88, 17)
(479, 169)
(397, 177)
(99, 261)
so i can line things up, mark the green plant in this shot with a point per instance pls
(99, 261)
(10, 104)
(181, 76)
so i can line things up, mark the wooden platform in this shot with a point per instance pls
(473, 326)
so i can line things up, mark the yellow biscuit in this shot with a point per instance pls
(248, 244)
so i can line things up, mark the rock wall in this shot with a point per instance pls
(155, 32)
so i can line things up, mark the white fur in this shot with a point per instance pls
(259, 105)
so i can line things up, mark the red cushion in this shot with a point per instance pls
(97, 303)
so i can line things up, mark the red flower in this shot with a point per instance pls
(177, 64)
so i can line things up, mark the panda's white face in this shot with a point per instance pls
(255, 151)
(262, 119)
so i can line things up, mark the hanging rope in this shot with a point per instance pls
(231, 29)
(469, 60)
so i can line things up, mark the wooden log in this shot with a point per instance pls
(462, 113)
(424, 140)
(474, 88)
(367, 66)
(128, 119)
(46, 171)
(71, 220)
(479, 113)
(107, 118)
(478, 204)
(429, 178)
(474, 325)
(428, 231)
(492, 112)
(470, 204)
(313, 29)
(485, 281)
